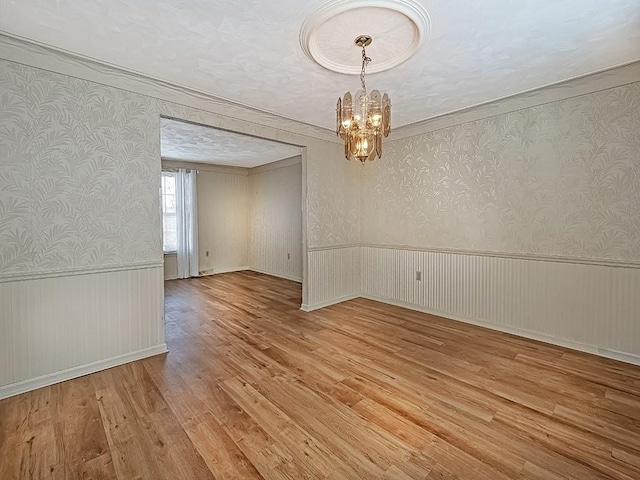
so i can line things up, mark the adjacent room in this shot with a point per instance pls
(320, 239)
(230, 202)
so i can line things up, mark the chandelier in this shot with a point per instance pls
(362, 121)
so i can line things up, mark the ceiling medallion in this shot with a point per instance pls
(400, 28)
(363, 121)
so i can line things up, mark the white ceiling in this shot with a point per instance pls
(248, 51)
(190, 142)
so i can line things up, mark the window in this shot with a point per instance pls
(169, 227)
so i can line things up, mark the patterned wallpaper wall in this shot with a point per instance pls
(559, 179)
(333, 198)
(79, 174)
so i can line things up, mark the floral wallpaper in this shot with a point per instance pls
(79, 173)
(559, 179)
(79, 178)
(333, 197)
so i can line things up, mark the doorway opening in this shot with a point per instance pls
(246, 203)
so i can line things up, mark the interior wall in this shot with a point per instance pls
(80, 236)
(275, 219)
(334, 216)
(223, 210)
(525, 221)
(65, 192)
(170, 266)
(110, 181)
(560, 179)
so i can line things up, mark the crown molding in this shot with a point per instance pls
(573, 87)
(46, 57)
(284, 163)
(49, 58)
(171, 164)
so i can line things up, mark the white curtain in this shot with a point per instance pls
(187, 223)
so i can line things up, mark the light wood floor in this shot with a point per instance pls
(252, 388)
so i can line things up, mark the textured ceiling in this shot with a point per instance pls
(196, 143)
(248, 51)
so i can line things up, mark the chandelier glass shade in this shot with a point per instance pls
(363, 119)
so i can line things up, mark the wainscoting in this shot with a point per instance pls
(334, 276)
(588, 307)
(56, 328)
(275, 219)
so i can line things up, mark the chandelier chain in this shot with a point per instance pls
(365, 62)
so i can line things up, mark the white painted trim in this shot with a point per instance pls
(18, 277)
(482, 253)
(171, 277)
(169, 164)
(213, 271)
(334, 247)
(590, 82)
(333, 301)
(286, 277)
(620, 356)
(516, 256)
(80, 371)
(305, 205)
(39, 55)
(582, 347)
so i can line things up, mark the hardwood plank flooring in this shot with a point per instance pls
(254, 388)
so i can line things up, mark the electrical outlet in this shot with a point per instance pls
(206, 253)
(418, 276)
(288, 256)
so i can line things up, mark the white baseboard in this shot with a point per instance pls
(171, 277)
(316, 306)
(213, 271)
(286, 277)
(561, 342)
(80, 371)
(621, 356)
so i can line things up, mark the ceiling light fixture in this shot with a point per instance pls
(362, 121)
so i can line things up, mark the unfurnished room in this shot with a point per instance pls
(320, 239)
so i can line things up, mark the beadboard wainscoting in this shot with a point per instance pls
(61, 327)
(590, 306)
(275, 219)
(334, 276)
